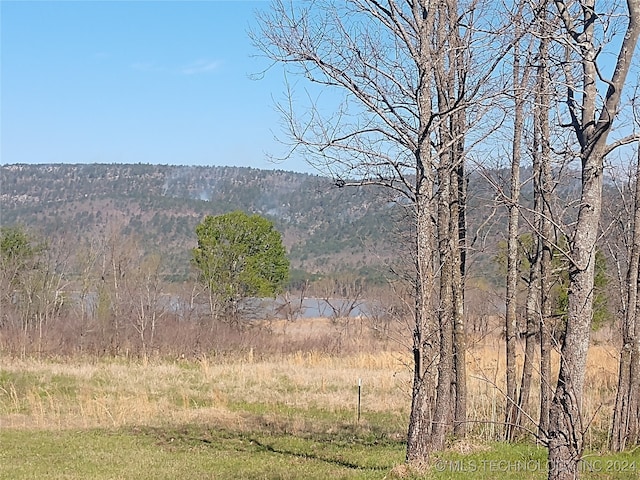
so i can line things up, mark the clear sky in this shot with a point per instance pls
(163, 82)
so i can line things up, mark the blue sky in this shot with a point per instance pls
(124, 82)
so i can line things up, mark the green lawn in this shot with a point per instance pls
(189, 452)
(198, 452)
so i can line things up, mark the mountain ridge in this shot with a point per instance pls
(325, 228)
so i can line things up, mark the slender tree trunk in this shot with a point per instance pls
(511, 317)
(459, 327)
(458, 233)
(532, 314)
(546, 390)
(546, 286)
(626, 413)
(443, 407)
(543, 189)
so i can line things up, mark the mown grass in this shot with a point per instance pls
(201, 452)
(188, 452)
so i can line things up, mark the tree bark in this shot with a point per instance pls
(543, 189)
(625, 429)
(459, 321)
(511, 316)
(443, 407)
(425, 329)
(566, 430)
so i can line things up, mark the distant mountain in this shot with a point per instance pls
(325, 228)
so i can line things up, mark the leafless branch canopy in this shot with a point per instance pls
(369, 129)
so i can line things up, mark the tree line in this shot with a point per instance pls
(112, 295)
(113, 281)
(423, 91)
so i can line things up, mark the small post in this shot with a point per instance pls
(359, 396)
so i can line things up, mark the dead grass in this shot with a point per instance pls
(486, 384)
(107, 392)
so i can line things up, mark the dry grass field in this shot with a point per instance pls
(302, 395)
(114, 393)
(107, 392)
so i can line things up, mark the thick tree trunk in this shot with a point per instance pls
(566, 424)
(447, 71)
(420, 418)
(566, 430)
(425, 328)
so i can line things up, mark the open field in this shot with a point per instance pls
(263, 416)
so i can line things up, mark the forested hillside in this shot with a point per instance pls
(325, 228)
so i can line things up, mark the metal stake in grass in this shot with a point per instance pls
(359, 396)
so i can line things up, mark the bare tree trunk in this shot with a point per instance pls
(425, 331)
(540, 309)
(543, 189)
(566, 429)
(449, 72)
(532, 315)
(443, 407)
(421, 418)
(546, 390)
(459, 324)
(511, 319)
(625, 429)
(546, 285)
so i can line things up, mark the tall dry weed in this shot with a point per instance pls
(106, 392)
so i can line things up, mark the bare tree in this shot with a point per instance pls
(520, 89)
(144, 292)
(341, 294)
(34, 275)
(118, 256)
(591, 117)
(626, 415)
(292, 306)
(49, 286)
(538, 305)
(415, 77)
